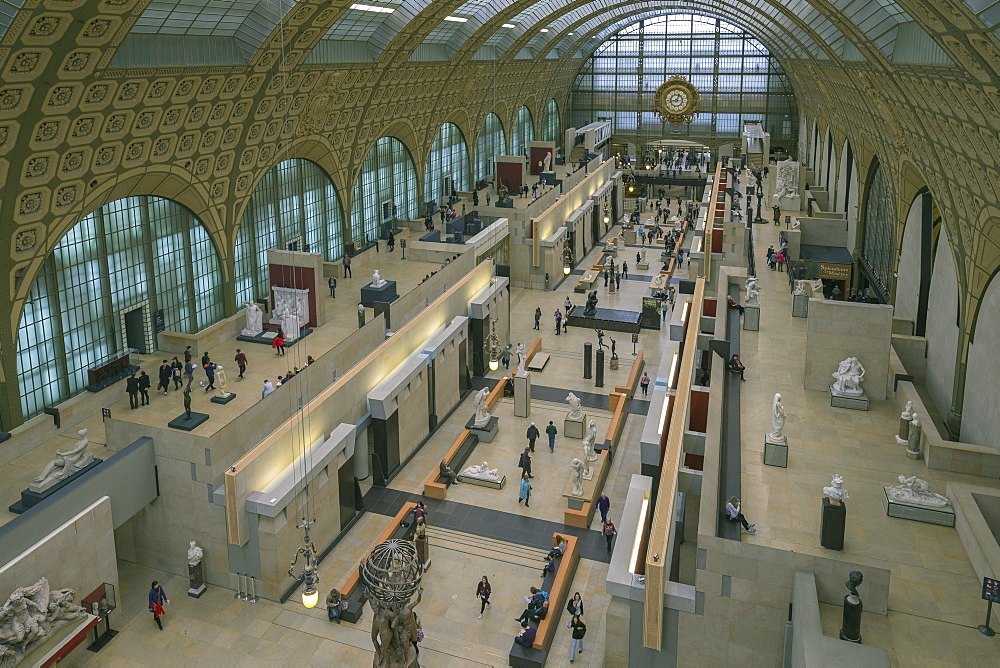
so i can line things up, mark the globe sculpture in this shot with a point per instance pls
(391, 576)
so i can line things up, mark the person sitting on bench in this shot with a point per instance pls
(534, 614)
(527, 635)
(736, 365)
(447, 473)
(732, 304)
(558, 550)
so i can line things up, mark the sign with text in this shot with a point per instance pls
(837, 272)
(991, 590)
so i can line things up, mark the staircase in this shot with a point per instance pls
(756, 159)
(488, 548)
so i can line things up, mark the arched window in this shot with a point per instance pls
(523, 132)
(553, 126)
(294, 206)
(878, 249)
(449, 158)
(386, 189)
(105, 286)
(491, 142)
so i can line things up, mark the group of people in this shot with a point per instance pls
(137, 385)
(776, 259)
(270, 387)
(538, 610)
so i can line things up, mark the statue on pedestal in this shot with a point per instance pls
(220, 378)
(575, 407)
(914, 490)
(848, 377)
(600, 338)
(591, 308)
(577, 467)
(799, 288)
(904, 424)
(482, 471)
(522, 361)
(836, 491)
(913, 438)
(614, 354)
(377, 281)
(196, 576)
(255, 320)
(187, 403)
(290, 325)
(195, 554)
(390, 576)
(482, 415)
(753, 292)
(777, 420)
(588, 447)
(64, 465)
(850, 629)
(547, 163)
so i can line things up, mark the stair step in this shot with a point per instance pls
(495, 543)
(488, 548)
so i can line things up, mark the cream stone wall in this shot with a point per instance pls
(838, 330)
(412, 415)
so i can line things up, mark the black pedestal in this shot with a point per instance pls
(385, 293)
(588, 360)
(187, 424)
(851, 629)
(599, 381)
(29, 498)
(833, 524)
(223, 400)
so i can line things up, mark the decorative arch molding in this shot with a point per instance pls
(459, 118)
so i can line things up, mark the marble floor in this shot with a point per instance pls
(934, 597)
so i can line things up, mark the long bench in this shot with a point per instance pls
(350, 590)
(558, 585)
(591, 275)
(628, 389)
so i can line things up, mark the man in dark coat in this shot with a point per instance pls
(524, 463)
(132, 388)
(532, 434)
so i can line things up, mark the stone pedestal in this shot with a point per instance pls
(487, 433)
(790, 203)
(386, 293)
(185, 424)
(776, 451)
(629, 236)
(611, 284)
(599, 380)
(851, 628)
(196, 580)
(944, 516)
(642, 265)
(856, 403)
(31, 498)
(904, 431)
(423, 552)
(223, 400)
(522, 396)
(588, 360)
(574, 428)
(833, 524)
(800, 306)
(751, 318)
(613, 364)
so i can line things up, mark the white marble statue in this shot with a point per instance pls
(220, 378)
(522, 361)
(290, 325)
(777, 420)
(482, 415)
(575, 407)
(753, 293)
(788, 179)
(64, 465)
(907, 413)
(481, 471)
(547, 163)
(836, 489)
(916, 491)
(30, 616)
(577, 467)
(642, 256)
(799, 288)
(377, 281)
(588, 442)
(848, 377)
(255, 320)
(290, 300)
(195, 554)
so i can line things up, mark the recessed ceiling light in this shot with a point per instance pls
(545, 29)
(373, 8)
(569, 34)
(509, 25)
(456, 19)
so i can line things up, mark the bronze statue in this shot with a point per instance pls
(187, 403)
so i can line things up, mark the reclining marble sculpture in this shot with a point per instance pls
(482, 472)
(64, 465)
(916, 491)
(30, 615)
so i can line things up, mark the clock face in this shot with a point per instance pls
(676, 100)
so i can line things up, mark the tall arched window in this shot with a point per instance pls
(878, 250)
(552, 127)
(491, 142)
(523, 132)
(294, 206)
(103, 287)
(449, 158)
(386, 189)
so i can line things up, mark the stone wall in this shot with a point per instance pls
(838, 330)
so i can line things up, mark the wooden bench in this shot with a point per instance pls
(628, 389)
(350, 590)
(538, 362)
(558, 585)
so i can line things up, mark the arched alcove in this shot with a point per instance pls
(386, 189)
(491, 142)
(942, 331)
(980, 418)
(448, 158)
(552, 126)
(522, 132)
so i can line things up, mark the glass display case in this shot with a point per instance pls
(101, 603)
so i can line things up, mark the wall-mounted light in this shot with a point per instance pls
(310, 572)
(492, 347)
(568, 259)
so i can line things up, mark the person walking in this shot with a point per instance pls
(552, 431)
(665, 308)
(609, 531)
(524, 493)
(132, 389)
(187, 354)
(579, 631)
(644, 383)
(734, 514)
(574, 607)
(618, 280)
(347, 266)
(144, 385)
(532, 434)
(567, 306)
(189, 368)
(210, 376)
(177, 373)
(157, 599)
(483, 591)
(333, 286)
(241, 361)
(538, 316)
(279, 345)
(603, 504)
(164, 375)
(505, 357)
(558, 316)
(624, 269)
(524, 463)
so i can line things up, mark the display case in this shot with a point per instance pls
(101, 603)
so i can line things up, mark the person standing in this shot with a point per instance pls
(241, 361)
(333, 286)
(603, 504)
(483, 591)
(164, 375)
(609, 531)
(532, 434)
(644, 383)
(524, 463)
(538, 316)
(777, 214)
(189, 368)
(552, 431)
(205, 358)
(144, 385)
(177, 373)
(665, 308)
(132, 389)
(157, 599)
(624, 269)
(524, 493)
(279, 345)
(390, 243)
(567, 306)
(187, 354)
(210, 376)
(618, 280)
(558, 317)
(505, 357)
(579, 631)
(347, 265)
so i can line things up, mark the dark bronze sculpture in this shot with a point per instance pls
(391, 575)
(187, 403)
(591, 308)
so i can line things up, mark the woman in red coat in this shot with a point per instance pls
(279, 344)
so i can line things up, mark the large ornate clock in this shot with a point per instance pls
(677, 100)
